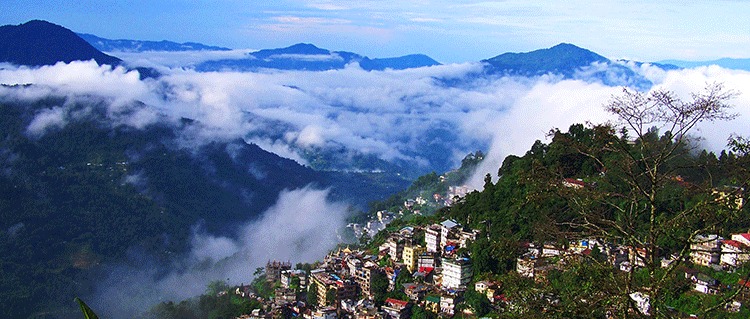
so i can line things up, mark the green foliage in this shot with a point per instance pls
(312, 294)
(87, 312)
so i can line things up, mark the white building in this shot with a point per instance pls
(456, 272)
(705, 250)
(432, 239)
(733, 253)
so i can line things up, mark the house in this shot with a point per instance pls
(274, 269)
(397, 309)
(416, 292)
(456, 272)
(410, 256)
(705, 250)
(432, 304)
(447, 230)
(574, 183)
(743, 238)
(448, 303)
(642, 302)
(733, 253)
(294, 277)
(488, 288)
(532, 267)
(702, 283)
(432, 239)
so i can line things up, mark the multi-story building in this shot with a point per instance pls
(705, 250)
(426, 260)
(325, 281)
(397, 309)
(432, 239)
(447, 230)
(274, 269)
(395, 247)
(289, 277)
(456, 272)
(733, 253)
(363, 276)
(411, 257)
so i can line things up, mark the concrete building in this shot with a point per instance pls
(456, 273)
(411, 256)
(432, 239)
(705, 250)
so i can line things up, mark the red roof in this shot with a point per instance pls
(426, 270)
(396, 302)
(746, 236)
(734, 243)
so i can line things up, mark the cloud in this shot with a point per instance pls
(301, 227)
(48, 118)
(408, 116)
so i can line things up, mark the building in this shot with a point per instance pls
(447, 230)
(395, 247)
(705, 250)
(733, 253)
(432, 239)
(532, 267)
(432, 304)
(397, 309)
(274, 269)
(448, 303)
(291, 277)
(456, 273)
(411, 256)
(344, 289)
(363, 276)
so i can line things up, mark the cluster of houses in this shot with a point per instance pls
(343, 283)
(710, 251)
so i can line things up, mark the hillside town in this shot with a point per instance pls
(426, 271)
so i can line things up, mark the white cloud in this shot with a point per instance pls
(301, 227)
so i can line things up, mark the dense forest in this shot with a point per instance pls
(87, 193)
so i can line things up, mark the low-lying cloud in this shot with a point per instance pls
(393, 115)
(301, 227)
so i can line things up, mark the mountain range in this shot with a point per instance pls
(124, 45)
(308, 57)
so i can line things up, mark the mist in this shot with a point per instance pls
(301, 227)
(395, 116)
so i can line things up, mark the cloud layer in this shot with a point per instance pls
(411, 116)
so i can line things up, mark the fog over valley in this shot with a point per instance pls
(314, 130)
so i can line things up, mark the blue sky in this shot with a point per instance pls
(447, 30)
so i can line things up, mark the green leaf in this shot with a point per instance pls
(87, 312)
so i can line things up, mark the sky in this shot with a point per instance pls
(447, 30)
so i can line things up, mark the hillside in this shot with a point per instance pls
(82, 197)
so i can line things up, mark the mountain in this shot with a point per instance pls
(304, 56)
(562, 59)
(568, 61)
(123, 45)
(37, 43)
(398, 63)
(89, 194)
(728, 63)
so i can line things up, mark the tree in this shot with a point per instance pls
(312, 294)
(640, 199)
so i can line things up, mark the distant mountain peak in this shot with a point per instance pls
(39, 42)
